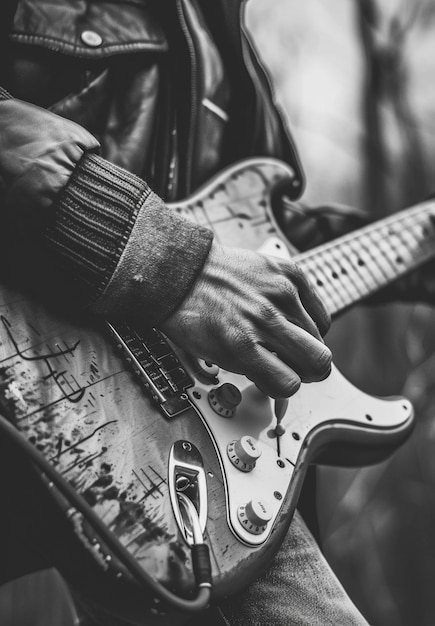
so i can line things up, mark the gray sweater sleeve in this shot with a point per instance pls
(134, 258)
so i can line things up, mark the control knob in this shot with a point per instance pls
(254, 516)
(244, 453)
(208, 370)
(225, 399)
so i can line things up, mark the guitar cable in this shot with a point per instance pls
(200, 552)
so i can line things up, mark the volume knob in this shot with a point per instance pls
(225, 399)
(254, 516)
(244, 453)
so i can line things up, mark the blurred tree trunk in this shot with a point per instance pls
(357, 80)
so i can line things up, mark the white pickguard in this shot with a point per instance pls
(326, 403)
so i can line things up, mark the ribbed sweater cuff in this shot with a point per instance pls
(93, 220)
(130, 255)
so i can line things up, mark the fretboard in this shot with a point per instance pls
(356, 265)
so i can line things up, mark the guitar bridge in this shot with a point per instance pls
(157, 366)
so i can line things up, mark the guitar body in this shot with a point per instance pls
(74, 396)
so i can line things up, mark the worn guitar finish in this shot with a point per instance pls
(106, 428)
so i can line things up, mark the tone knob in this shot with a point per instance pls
(225, 399)
(254, 516)
(244, 453)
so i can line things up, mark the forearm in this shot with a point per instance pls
(123, 251)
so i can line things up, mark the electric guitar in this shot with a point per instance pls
(138, 427)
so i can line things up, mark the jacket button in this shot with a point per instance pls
(91, 38)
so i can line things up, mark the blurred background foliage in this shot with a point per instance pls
(357, 82)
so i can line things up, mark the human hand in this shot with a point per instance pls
(257, 316)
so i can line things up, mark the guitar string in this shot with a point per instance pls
(348, 286)
(365, 266)
(393, 246)
(388, 251)
(418, 210)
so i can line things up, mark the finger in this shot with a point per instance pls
(312, 303)
(297, 300)
(270, 374)
(300, 350)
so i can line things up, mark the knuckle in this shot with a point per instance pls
(284, 287)
(267, 311)
(290, 288)
(297, 272)
(242, 342)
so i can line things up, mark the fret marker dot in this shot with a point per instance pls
(399, 259)
(360, 262)
(319, 283)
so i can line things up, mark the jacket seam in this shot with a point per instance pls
(60, 45)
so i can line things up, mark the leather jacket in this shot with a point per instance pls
(108, 67)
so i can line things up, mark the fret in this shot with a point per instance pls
(384, 251)
(359, 263)
(322, 284)
(402, 246)
(355, 274)
(385, 257)
(352, 267)
(341, 272)
(369, 268)
(415, 236)
(342, 282)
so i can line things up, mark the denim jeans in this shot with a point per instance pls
(299, 589)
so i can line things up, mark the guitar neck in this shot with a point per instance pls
(356, 265)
